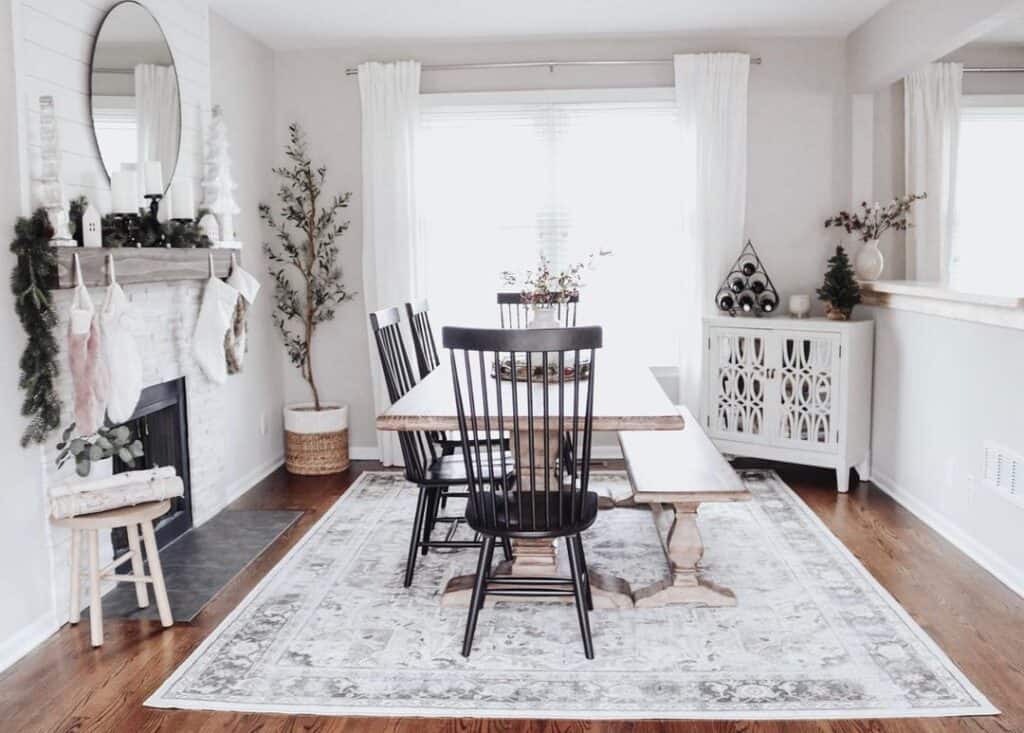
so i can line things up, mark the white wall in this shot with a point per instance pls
(944, 387)
(52, 41)
(241, 82)
(799, 165)
(25, 574)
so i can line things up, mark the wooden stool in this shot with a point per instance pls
(132, 518)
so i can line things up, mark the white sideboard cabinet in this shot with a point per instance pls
(791, 390)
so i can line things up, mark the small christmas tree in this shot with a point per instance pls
(840, 292)
(218, 185)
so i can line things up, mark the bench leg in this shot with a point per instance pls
(683, 548)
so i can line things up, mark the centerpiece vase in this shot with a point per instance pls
(869, 262)
(543, 316)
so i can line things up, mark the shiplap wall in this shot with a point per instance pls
(53, 42)
(55, 39)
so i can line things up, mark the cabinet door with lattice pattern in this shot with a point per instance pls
(807, 379)
(738, 393)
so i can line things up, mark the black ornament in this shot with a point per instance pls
(747, 288)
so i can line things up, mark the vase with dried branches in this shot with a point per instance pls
(308, 288)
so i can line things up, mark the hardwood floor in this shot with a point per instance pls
(65, 685)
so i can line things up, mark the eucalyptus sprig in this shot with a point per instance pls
(308, 284)
(109, 440)
(870, 222)
(542, 285)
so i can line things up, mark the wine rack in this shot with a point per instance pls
(747, 289)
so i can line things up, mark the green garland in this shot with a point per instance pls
(36, 268)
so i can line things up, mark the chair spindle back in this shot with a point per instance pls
(418, 448)
(547, 410)
(422, 337)
(514, 311)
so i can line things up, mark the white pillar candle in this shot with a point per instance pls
(122, 192)
(154, 178)
(183, 201)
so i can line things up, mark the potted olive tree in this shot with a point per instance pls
(308, 287)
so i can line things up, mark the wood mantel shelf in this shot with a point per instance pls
(140, 265)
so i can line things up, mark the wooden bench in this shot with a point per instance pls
(675, 471)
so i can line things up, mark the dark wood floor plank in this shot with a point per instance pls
(65, 685)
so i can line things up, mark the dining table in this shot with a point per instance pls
(627, 397)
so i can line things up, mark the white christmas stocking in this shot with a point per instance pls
(121, 353)
(219, 300)
(236, 340)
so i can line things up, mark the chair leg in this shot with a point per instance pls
(138, 569)
(581, 599)
(488, 561)
(75, 609)
(433, 503)
(584, 572)
(414, 539)
(95, 600)
(506, 546)
(156, 572)
(479, 592)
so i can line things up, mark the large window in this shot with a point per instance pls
(988, 240)
(503, 177)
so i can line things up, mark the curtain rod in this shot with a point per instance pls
(544, 64)
(993, 69)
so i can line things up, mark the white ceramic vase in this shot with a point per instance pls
(543, 316)
(868, 263)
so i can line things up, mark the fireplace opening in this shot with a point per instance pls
(160, 421)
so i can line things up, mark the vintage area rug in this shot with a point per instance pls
(332, 631)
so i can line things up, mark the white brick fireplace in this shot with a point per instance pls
(162, 318)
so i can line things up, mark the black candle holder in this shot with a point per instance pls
(152, 222)
(128, 226)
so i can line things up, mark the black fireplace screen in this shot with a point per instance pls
(161, 423)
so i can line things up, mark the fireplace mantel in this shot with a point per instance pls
(140, 265)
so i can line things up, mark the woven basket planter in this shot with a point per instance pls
(316, 442)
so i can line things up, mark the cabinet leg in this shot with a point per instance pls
(843, 479)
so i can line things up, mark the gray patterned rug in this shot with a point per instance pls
(332, 631)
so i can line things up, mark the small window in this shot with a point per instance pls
(988, 237)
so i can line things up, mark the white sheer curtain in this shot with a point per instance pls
(932, 108)
(392, 271)
(711, 96)
(159, 117)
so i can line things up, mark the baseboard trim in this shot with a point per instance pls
(992, 563)
(26, 639)
(240, 486)
(364, 453)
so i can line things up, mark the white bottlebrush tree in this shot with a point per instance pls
(218, 185)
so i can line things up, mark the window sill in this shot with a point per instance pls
(936, 300)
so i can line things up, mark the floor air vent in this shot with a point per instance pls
(1004, 471)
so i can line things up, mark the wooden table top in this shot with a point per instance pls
(626, 397)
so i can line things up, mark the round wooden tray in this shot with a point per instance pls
(571, 373)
